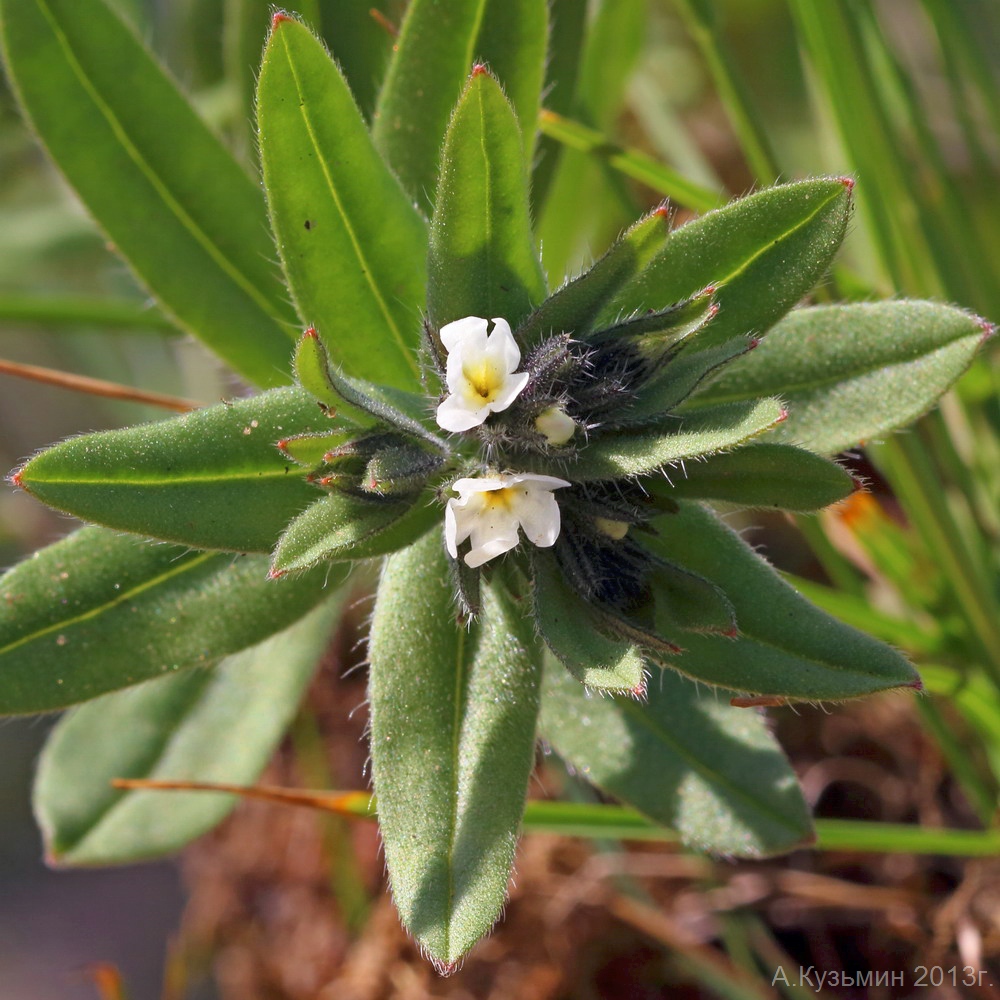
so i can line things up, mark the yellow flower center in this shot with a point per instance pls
(483, 379)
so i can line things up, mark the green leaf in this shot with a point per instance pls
(513, 42)
(786, 646)
(219, 725)
(212, 479)
(364, 402)
(342, 526)
(352, 243)
(359, 43)
(624, 453)
(438, 44)
(763, 253)
(483, 260)
(453, 731)
(99, 611)
(713, 773)
(854, 372)
(760, 475)
(170, 197)
(430, 61)
(573, 307)
(566, 623)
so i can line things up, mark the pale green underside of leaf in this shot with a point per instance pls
(760, 475)
(850, 373)
(170, 197)
(628, 454)
(352, 243)
(218, 725)
(99, 611)
(212, 479)
(453, 730)
(786, 646)
(685, 759)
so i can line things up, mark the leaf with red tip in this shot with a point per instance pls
(482, 259)
(713, 773)
(786, 646)
(352, 244)
(212, 479)
(573, 307)
(764, 253)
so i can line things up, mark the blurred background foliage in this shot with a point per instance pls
(698, 101)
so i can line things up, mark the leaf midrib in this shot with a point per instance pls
(121, 598)
(711, 399)
(363, 263)
(177, 209)
(696, 765)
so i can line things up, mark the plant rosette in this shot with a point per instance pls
(535, 471)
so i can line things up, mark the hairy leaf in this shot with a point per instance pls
(218, 725)
(99, 611)
(453, 731)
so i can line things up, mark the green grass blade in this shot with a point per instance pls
(630, 163)
(173, 201)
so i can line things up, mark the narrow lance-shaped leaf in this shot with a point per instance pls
(630, 453)
(851, 373)
(573, 307)
(760, 475)
(453, 730)
(483, 260)
(173, 201)
(438, 43)
(763, 253)
(343, 526)
(218, 725)
(714, 774)
(430, 61)
(786, 647)
(100, 611)
(352, 243)
(513, 39)
(212, 479)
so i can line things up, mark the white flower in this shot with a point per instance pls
(480, 372)
(490, 510)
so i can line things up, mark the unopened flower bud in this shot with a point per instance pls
(555, 425)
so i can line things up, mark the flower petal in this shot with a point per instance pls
(452, 334)
(453, 414)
